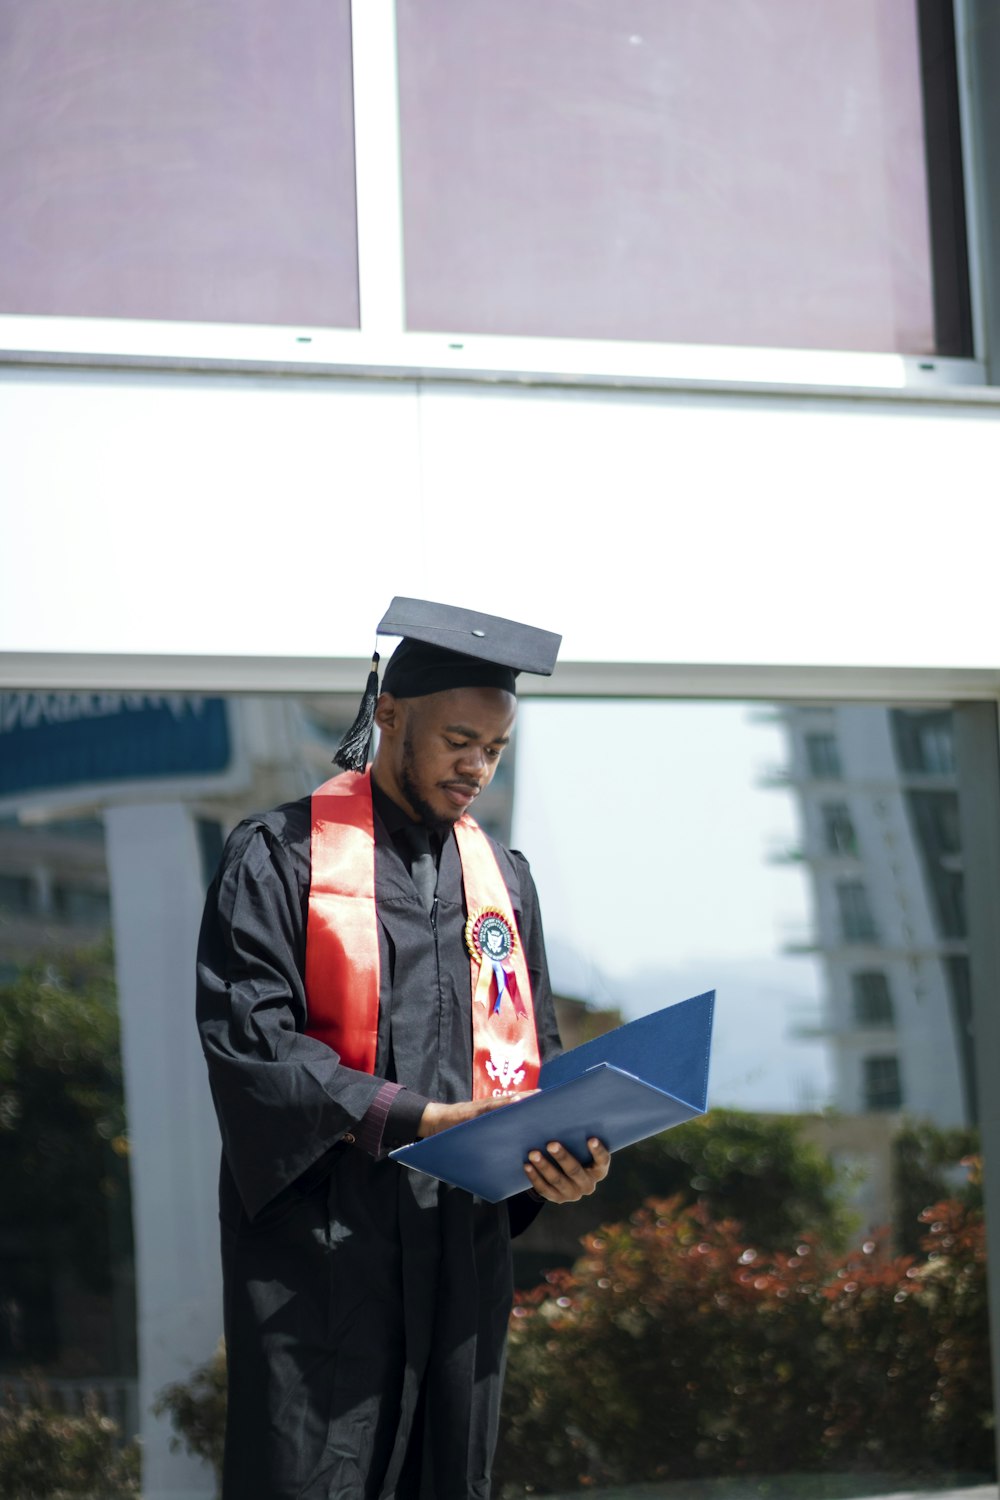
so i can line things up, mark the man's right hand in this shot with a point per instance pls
(438, 1117)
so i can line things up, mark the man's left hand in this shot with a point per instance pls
(560, 1178)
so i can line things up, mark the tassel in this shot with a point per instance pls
(352, 752)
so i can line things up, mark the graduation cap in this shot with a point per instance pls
(445, 647)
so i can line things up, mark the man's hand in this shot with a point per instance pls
(563, 1179)
(439, 1116)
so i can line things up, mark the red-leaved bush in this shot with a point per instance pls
(674, 1349)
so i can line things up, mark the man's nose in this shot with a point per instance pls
(472, 761)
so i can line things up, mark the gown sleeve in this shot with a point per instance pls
(283, 1099)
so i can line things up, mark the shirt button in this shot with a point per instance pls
(348, 1137)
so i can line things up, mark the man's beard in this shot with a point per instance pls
(432, 820)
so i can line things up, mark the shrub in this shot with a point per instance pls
(675, 1350)
(46, 1454)
(764, 1173)
(197, 1409)
(927, 1167)
(63, 1140)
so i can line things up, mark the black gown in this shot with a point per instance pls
(365, 1306)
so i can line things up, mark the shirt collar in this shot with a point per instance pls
(395, 818)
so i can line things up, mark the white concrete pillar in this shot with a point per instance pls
(156, 899)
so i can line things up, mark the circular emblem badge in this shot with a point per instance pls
(489, 936)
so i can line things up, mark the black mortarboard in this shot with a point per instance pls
(446, 647)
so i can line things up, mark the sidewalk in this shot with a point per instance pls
(794, 1487)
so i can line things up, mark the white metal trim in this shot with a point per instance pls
(377, 167)
(474, 359)
(63, 671)
(964, 41)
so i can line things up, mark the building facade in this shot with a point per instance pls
(880, 834)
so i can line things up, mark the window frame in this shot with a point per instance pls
(382, 345)
(974, 694)
(888, 1062)
(872, 1005)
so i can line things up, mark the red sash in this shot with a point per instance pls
(342, 958)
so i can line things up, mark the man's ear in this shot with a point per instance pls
(388, 713)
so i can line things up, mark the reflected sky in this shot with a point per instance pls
(649, 833)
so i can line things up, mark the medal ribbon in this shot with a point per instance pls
(342, 955)
(500, 970)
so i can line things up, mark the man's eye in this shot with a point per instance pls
(455, 744)
(492, 753)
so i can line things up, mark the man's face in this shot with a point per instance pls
(436, 754)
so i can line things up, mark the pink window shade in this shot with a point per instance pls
(667, 170)
(182, 160)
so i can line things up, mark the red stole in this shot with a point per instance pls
(342, 957)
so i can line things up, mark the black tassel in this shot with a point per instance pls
(352, 752)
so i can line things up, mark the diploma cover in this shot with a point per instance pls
(632, 1082)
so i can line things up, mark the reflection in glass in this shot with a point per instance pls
(839, 830)
(740, 1313)
(67, 1311)
(874, 974)
(765, 173)
(179, 162)
(872, 1000)
(882, 1087)
(897, 889)
(823, 755)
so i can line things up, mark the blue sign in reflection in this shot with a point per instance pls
(51, 740)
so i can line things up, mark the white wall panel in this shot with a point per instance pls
(154, 513)
(725, 529)
(276, 516)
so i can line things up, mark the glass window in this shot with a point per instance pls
(802, 1147)
(948, 887)
(938, 837)
(856, 920)
(178, 161)
(660, 170)
(823, 756)
(18, 894)
(882, 1088)
(872, 1000)
(924, 742)
(936, 816)
(81, 905)
(838, 829)
(67, 1286)
(959, 980)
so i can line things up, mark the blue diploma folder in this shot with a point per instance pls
(630, 1083)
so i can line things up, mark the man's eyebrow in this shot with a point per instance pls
(473, 734)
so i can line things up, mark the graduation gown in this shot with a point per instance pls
(365, 1306)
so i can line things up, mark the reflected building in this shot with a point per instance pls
(877, 791)
(53, 888)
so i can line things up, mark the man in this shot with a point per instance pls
(365, 1305)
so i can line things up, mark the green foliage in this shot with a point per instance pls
(761, 1172)
(197, 1409)
(47, 1455)
(63, 1144)
(675, 1349)
(927, 1166)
